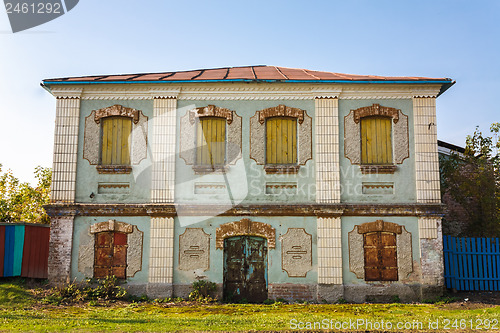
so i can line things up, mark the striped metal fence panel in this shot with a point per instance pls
(24, 250)
(472, 263)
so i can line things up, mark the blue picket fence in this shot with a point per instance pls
(472, 263)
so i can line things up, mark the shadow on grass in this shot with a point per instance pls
(13, 293)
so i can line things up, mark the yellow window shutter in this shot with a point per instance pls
(211, 141)
(115, 147)
(376, 140)
(281, 140)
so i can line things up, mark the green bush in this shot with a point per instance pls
(203, 291)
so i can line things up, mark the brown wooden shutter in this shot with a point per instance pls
(110, 254)
(380, 256)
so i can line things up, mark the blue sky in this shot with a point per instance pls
(456, 39)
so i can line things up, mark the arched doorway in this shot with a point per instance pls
(245, 268)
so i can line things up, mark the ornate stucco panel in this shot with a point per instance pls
(194, 250)
(245, 227)
(296, 252)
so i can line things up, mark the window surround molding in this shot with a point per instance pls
(138, 137)
(188, 137)
(258, 137)
(352, 137)
(403, 246)
(87, 242)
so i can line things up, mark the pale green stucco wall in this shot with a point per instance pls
(275, 273)
(246, 179)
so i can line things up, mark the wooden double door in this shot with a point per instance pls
(245, 268)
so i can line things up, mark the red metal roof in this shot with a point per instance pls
(247, 73)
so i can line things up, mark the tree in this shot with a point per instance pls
(472, 180)
(20, 202)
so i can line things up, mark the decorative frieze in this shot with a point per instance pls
(65, 150)
(327, 151)
(211, 111)
(281, 111)
(329, 250)
(296, 252)
(163, 150)
(161, 251)
(426, 154)
(377, 188)
(376, 110)
(245, 227)
(320, 210)
(194, 250)
(116, 110)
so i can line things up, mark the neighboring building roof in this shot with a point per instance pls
(248, 74)
(447, 148)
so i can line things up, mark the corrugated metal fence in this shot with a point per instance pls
(472, 263)
(24, 250)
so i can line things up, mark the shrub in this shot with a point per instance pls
(203, 291)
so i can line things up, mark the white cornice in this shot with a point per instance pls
(247, 91)
(425, 91)
(67, 92)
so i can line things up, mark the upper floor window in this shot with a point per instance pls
(376, 140)
(115, 139)
(281, 140)
(211, 141)
(115, 146)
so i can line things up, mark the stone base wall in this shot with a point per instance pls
(379, 293)
(292, 291)
(390, 293)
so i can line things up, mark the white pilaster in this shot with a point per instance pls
(329, 250)
(65, 149)
(327, 151)
(428, 227)
(163, 148)
(161, 254)
(426, 154)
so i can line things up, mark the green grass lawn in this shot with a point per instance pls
(21, 311)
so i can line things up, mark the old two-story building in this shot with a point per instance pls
(272, 182)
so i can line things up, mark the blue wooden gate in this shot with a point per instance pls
(471, 263)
